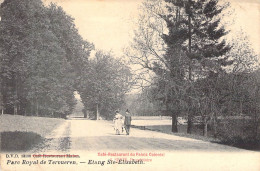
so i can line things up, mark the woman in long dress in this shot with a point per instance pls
(119, 123)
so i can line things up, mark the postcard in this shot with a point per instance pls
(130, 85)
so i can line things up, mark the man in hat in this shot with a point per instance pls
(127, 122)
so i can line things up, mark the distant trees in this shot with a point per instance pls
(254, 104)
(105, 84)
(240, 91)
(42, 56)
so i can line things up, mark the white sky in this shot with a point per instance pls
(108, 23)
(247, 14)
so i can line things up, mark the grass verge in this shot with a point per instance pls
(21, 133)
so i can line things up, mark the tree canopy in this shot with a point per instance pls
(43, 56)
(105, 84)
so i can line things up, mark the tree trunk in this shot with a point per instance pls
(241, 106)
(33, 108)
(37, 108)
(15, 108)
(19, 109)
(174, 118)
(215, 125)
(16, 97)
(174, 122)
(257, 128)
(205, 130)
(97, 113)
(189, 124)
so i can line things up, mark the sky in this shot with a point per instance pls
(247, 17)
(106, 23)
(109, 23)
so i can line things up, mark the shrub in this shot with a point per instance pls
(238, 133)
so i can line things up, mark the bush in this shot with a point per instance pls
(238, 133)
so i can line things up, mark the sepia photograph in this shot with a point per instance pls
(130, 85)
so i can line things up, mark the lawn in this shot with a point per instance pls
(21, 133)
(39, 125)
(237, 133)
(163, 124)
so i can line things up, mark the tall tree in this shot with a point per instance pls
(195, 32)
(193, 47)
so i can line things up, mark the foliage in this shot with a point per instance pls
(239, 133)
(106, 83)
(42, 56)
(193, 48)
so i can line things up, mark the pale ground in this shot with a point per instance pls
(152, 122)
(100, 135)
(87, 138)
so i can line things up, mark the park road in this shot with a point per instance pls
(99, 135)
(94, 140)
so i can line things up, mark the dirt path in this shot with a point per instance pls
(86, 139)
(99, 135)
(58, 140)
(88, 135)
(180, 153)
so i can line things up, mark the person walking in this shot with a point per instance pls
(127, 121)
(118, 122)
